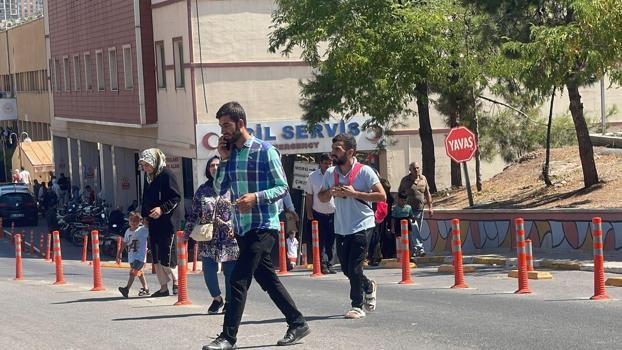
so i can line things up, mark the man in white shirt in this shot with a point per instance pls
(324, 213)
(25, 175)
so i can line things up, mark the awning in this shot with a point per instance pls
(36, 157)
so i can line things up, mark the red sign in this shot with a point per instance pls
(460, 144)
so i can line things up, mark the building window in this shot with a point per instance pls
(76, 73)
(66, 83)
(178, 57)
(88, 75)
(112, 68)
(56, 75)
(99, 62)
(127, 67)
(160, 62)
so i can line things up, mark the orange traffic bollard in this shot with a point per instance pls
(282, 251)
(47, 251)
(529, 255)
(58, 259)
(315, 240)
(97, 272)
(456, 248)
(398, 248)
(406, 278)
(182, 270)
(18, 257)
(32, 242)
(41, 246)
(85, 247)
(523, 277)
(599, 260)
(195, 257)
(303, 254)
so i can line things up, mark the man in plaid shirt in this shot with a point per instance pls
(251, 169)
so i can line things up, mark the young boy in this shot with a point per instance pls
(402, 211)
(136, 241)
(292, 250)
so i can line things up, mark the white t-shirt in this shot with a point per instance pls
(137, 243)
(315, 182)
(292, 247)
(25, 175)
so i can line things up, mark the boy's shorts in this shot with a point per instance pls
(137, 264)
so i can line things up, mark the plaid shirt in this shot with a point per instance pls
(256, 168)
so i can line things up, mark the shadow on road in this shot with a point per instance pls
(282, 320)
(158, 317)
(90, 300)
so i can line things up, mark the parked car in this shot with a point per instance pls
(19, 207)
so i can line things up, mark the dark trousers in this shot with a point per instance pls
(326, 228)
(255, 260)
(352, 250)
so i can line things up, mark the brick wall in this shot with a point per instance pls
(77, 27)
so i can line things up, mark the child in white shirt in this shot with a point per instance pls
(292, 250)
(136, 241)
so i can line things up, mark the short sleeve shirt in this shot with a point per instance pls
(352, 216)
(315, 183)
(137, 244)
(416, 190)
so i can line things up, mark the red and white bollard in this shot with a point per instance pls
(315, 240)
(18, 257)
(523, 277)
(182, 270)
(529, 255)
(303, 255)
(406, 278)
(85, 246)
(282, 251)
(599, 260)
(98, 285)
(456, 248)
(58, 259)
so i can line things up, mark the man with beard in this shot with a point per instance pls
(353, 186)
(415, 185)
(251, 169)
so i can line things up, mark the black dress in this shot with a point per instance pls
(162, 192)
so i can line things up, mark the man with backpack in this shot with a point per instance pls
(354, 187)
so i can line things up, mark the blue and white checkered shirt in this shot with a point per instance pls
(256, 168)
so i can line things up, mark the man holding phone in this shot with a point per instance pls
(251, 169)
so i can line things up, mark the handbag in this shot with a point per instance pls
(205, 232)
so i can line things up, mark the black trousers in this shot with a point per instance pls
(255, 261)
(163, 249)
(326, 230)
(352, 250)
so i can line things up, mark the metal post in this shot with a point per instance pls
(468, 183)
(603, 112)
(302, 226)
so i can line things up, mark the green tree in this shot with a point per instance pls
(560, 44)
(371, 57)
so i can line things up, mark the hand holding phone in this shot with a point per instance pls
(224, 148)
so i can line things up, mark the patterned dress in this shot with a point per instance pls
(221, 248)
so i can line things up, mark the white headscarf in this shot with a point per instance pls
(155, 158)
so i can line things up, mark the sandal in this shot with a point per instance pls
(142, 292)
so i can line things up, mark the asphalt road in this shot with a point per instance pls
(426, 315)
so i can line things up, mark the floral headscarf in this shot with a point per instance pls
(155, 158)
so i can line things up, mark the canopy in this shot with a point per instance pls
(36, 157)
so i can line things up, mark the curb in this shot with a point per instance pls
(614, 281)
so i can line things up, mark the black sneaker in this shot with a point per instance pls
(175, 289)
(220, 343)
(331, 271)
(125, 291)
(294, 335)
(215, 307)
(160, 294)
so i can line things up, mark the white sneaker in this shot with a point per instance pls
(355, 313)
(370, 298)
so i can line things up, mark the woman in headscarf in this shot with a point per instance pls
(161, 197)
(223, 248)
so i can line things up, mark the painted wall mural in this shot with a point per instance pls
(496, 230)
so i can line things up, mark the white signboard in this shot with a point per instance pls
(292, 137)
(8, 109)
(301, 174)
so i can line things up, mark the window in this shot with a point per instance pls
(88, 75)
(66, 84)
(99, 62)
(112, 68)
(52, 75)
(178, 57)
(76, 73)
(56, 76)
(160, 62)
(127, 67)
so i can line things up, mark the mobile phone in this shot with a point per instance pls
(228, 145)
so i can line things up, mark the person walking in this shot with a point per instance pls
(251, 169)
(354, 187)
(135, 239)
(324, 213)
(416, 187)
(161, 197)
(223, 248)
